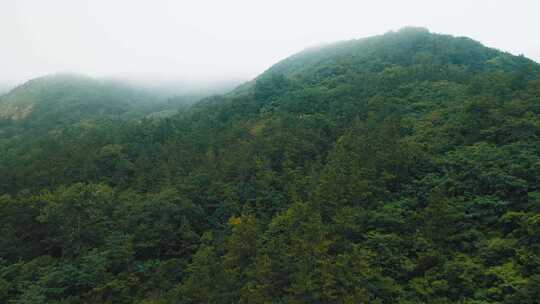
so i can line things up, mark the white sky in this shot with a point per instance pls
(236, 38)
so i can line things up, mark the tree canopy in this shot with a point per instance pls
(401, 168)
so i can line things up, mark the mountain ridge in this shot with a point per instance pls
(61, 99)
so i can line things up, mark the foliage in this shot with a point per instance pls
(402, 168)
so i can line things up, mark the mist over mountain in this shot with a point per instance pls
(397, 168)
(58, 100)
(4, 88)
(177, 85)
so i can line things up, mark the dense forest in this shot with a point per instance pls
(400, 168)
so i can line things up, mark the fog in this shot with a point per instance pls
(202, 40)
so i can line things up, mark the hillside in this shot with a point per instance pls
(67, 97)
(60, 100)
(400, 168)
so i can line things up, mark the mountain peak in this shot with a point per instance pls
(409, 46)
(413, 29)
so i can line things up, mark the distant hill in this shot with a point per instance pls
(57, 100)
(68, 97)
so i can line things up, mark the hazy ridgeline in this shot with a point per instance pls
(55, 101)
(401, 168)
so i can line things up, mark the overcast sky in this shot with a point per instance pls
(232, 38)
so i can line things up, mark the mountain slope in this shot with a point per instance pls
(366, 67)
(401, 168)
(406, 47)
(59, 100)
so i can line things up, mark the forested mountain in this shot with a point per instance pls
(56, 101)
(401, 168)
